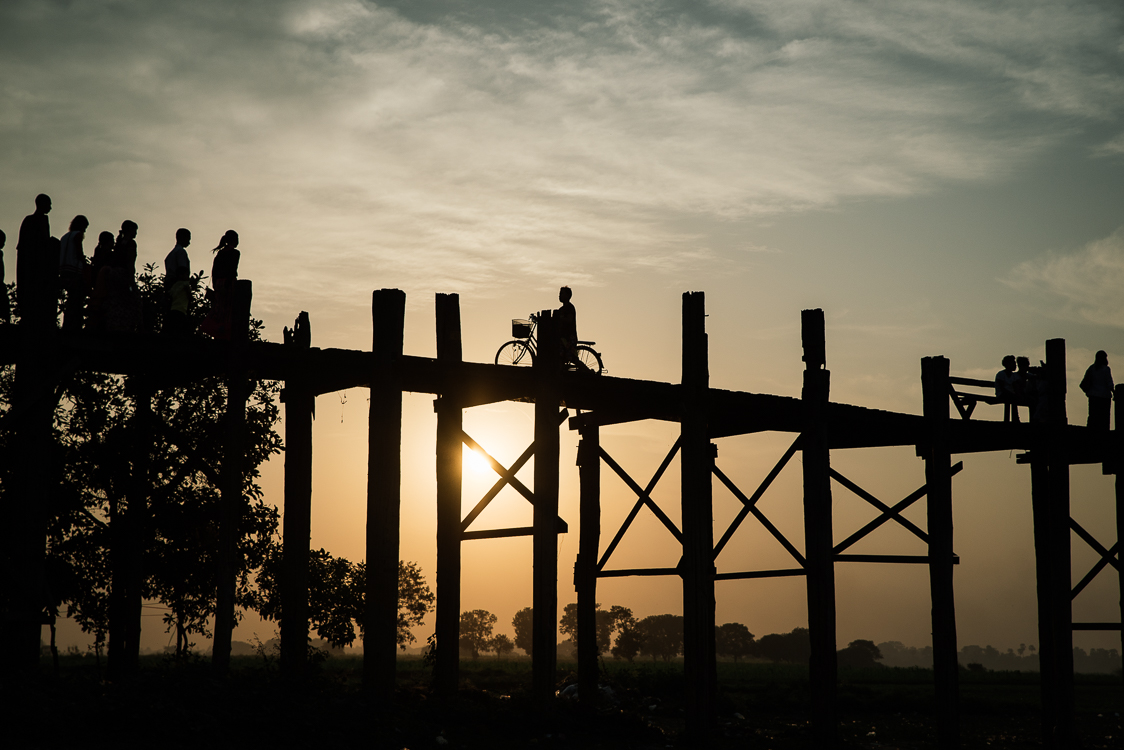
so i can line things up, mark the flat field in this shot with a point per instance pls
(183, 705)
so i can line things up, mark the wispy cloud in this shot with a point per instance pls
(1082, 285)
(441, 144)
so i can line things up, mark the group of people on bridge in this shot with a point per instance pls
(1019, 384)
(100, 291)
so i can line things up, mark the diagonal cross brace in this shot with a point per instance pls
(886, 509)
(507, 476)
(642, 499)
(749, 505)
(893, 513)
(1108, 557)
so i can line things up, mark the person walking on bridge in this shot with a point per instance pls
(1097, 385)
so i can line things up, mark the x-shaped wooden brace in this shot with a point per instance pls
(888, 512)
(507, 477)
(1108, 557)
(643, 498)
(749, 505)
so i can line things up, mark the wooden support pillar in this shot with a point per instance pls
(449, 427)
(544, 631)
(818, 540)
(34, 476)
(1043, 564)
(1058, 584)
(384, 494)
(1117, 459)
(585, 568)
(300, 409)
(136, 521)
(232, 477)
(697, 462)
(938, 483)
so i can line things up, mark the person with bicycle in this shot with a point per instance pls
(567, 317)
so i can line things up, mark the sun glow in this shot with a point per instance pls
(475, 463)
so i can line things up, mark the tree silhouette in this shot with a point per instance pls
(733, 639)
(168, 531)
(336, 596)
(794, 647)
(662, 636)
(523, 622)
(476, 631)
(629, 641)
(501, 645)
(860, 654)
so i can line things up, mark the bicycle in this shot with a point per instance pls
(521, 351)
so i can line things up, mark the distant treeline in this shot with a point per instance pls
(1022, 659)
(620, 635)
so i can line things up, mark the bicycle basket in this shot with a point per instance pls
(520, 329)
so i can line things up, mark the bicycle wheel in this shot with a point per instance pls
(515, 353)
(591, 360)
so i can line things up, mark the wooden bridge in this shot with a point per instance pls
(43, 355)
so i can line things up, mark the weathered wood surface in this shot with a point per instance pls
(612, 400)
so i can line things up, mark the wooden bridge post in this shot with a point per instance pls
(818, 535)
(1117, 459)
(449, 450)
(938, 483)
(300, 408)
(136, 519)
(233, 469)
(1050, 497)
(697, 461)
(544, 629)
(384, 494)
(34, 471)
(585, 568)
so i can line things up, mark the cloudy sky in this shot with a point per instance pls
(940, 177)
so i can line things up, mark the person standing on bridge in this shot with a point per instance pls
(177, 281)
(1006, 387)
(5, 309)
(224, 272)
(567, 317)
(72, 273)
(33, 264)
(1097, 385)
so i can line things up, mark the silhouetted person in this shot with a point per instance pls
(567, 323)
(121, 303)
(72, 273)
(33, 264)
(224, 272)
(1006, 387)
(125, 248)
(103, 253)
(177, 280)
(1025, 392)
(99, 282)
(5, 308)
(1097, 385)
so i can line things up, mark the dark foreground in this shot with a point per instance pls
(170, 705)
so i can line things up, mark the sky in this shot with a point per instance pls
(942, 178)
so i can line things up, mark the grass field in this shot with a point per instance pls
(170, 705)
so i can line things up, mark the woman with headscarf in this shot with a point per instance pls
(224, 272)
